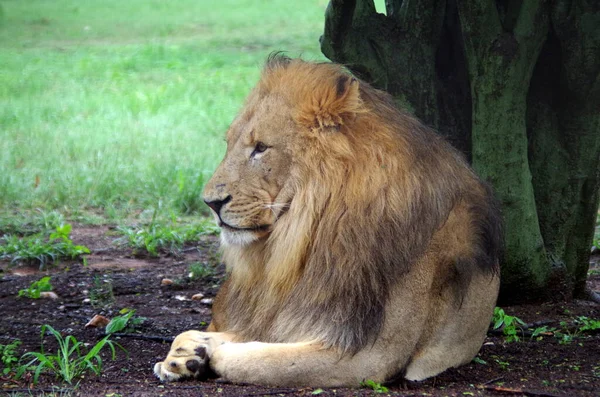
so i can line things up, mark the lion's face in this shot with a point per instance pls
(250, 189)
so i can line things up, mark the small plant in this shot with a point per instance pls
(101, 292)
(125, 322)
(566, 334)
(508, 323)
(157, 237)
(41, 249)
(503, 364)
(9, 356)
(198, 271)
(539, 331)
(69, 362)
(584, 324)
(376, 387)
(36, 288)
(479, 360)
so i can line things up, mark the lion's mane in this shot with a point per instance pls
(372, 185)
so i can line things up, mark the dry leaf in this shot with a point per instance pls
(97, 321)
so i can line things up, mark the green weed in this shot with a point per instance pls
(101, 292)
(36, 288)
(199, 271)
(508, 323)
(376, 387)
(539, 331)
(70, 361)
(126, 322)
(30, 222)
(9, 357)
(584, 324)
(479, 360)
(169, 238)
(41, 248)
(501, 363)
(569, 332)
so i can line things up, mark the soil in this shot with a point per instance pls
(533, 367)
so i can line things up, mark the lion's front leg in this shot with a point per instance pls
(299, 364)
(189, 355)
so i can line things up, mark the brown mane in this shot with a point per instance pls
(372, 186)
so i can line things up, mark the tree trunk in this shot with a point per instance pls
(515, 84)
(500, 63)
(564, 123)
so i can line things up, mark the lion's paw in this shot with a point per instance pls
(188, 358)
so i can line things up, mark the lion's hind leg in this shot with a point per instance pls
(460, 330)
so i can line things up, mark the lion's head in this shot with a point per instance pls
(273, 143)
(326, 197)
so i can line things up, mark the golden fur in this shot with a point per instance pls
(357, 240)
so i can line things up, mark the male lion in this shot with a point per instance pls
(359, 244)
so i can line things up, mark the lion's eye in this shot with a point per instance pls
(259, 148)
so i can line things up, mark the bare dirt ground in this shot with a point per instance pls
(530, 367)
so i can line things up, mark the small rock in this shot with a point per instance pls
(166, 281)
(48, 295)
(207, 301)
(197, 297)
(180, 298)
(97, 321)
(87, 301)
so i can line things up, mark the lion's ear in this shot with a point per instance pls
(333, 104)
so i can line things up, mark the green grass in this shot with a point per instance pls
(164, 237)
(70, 361)
(121, 106)
(41, 248)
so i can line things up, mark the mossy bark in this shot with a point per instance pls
(563, 117)
(500, 63)
(516, 85)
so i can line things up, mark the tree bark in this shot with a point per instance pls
(564, 123)
(500, 65)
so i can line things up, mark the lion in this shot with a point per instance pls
(359, 244)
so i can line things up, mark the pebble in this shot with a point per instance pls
(197, 297)
(207, 301)
(48, 295)
(166, 281)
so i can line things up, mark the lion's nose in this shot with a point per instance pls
(216, 205)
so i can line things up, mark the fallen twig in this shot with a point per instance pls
(492, 380)
(532, 393)
(274, 392)
(154, 338)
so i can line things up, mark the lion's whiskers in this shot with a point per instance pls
(273, 206)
